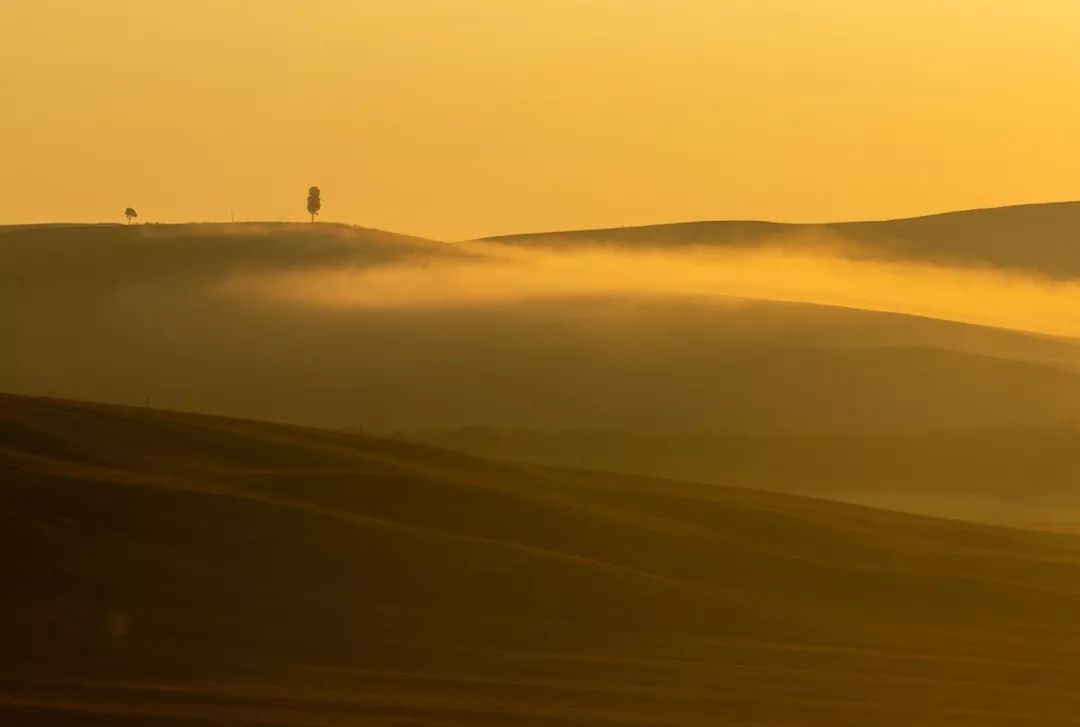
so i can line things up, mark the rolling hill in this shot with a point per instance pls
(1017, 476)
(1039, 238)
(172, 569)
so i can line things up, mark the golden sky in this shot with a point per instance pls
(460, 118)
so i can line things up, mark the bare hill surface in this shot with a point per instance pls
(171, 569)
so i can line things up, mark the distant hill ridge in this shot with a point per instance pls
(1042, 238)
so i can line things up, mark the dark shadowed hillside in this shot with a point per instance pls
(168, 569)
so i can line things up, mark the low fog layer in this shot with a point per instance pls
(337, 326)
(824, 271)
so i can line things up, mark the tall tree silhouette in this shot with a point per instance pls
(131, 214)
(314, 203)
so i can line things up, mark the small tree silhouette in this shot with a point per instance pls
(131, 214)
(314, 203)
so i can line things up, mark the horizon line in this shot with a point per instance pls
(568, 231)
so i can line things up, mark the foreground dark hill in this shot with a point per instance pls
(1040, 238)
(130, 314)
(169, 569)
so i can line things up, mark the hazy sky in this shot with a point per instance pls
(458, 118)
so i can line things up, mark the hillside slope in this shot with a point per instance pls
(1017, 476)
(169, 569)
(1039, 238)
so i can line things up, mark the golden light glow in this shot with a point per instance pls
(460, 118)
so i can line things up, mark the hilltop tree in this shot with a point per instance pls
(131, 214)
(314, 203)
